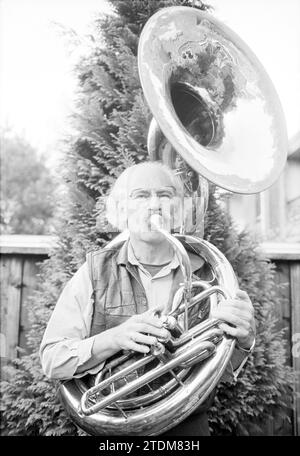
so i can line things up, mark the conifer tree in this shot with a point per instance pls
(112, 120)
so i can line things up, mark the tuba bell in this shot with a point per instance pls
(216, 116)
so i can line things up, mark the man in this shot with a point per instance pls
(108, 304)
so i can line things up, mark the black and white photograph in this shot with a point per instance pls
(150, 222)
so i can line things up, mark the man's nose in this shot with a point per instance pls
(154, 202)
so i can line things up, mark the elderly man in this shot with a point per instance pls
(108, 304)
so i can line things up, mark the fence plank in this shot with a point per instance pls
(284, 311)
(30, 278)
(295, 306)
(11, 293)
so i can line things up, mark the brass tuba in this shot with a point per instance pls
(217, 116)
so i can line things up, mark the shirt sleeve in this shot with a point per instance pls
(66, 344)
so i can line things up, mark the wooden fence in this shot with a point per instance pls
(20, 256)
(19, 268)
(287, 260)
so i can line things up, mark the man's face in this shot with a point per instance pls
(151, 191)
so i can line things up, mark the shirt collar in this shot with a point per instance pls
(126, 255)
(174, 263)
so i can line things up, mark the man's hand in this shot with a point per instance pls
(238, 315)
(139, 332)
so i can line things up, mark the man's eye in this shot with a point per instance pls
(141, 195)
(165, 195)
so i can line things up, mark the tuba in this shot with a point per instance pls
(216, 116)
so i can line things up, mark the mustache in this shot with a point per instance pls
(156, 212)
(157, 219)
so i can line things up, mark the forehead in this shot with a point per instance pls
(148, 178)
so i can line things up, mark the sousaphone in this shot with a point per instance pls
(216, 116)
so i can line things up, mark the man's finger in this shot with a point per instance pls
(157, 310)
(231, 318)
(153, 330)
(234, 332)
(137, 347)
(144, 339)
(237, 305)
(243, 314)
(242, 295)
(150, 320)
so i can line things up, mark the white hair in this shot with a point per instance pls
(116, 204)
